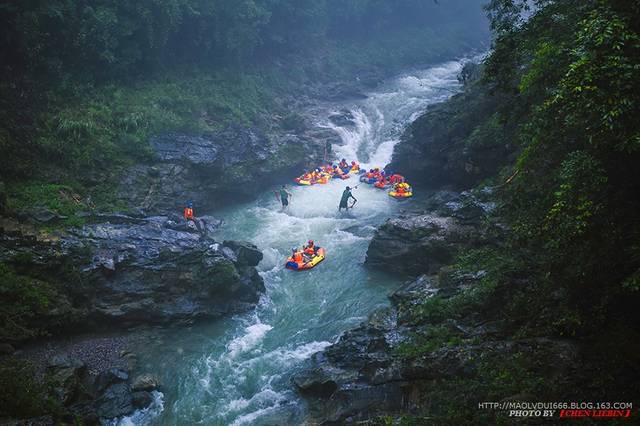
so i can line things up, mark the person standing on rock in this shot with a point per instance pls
(344, 201)
(188, 211)
(284, 196)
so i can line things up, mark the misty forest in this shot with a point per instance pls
(319, 212)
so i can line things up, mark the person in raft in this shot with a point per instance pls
(296, 255)
(343, 164)
(284, 196)
(344, 201)
(188, 211)
(310, 250)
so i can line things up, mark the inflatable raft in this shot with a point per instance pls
(401, 190)
(299, 266)
(370, 180)
(396, 194)
(324, 179)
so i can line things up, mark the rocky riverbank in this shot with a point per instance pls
(499, 305)
(128, 270)
(117, 272)
(417, 356)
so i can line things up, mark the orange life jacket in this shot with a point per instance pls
(188, 213)
(297, 257)
(310, 250)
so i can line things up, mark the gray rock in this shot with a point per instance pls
(437, 151)
(315, 383)
(109, 377)
(419, 243)
(418, 290)
(116, 401)
(246, 253)
(143, 271)
(141, 399)
(145, 382)
(46, 216)
(66, 376)
(234, 163)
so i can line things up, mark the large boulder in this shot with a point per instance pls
(422, 243)
(88, 398)
(109, 377)
(357, 376)
(115, 401)
(152, 270)
(66, 376)
(418, 243)
(145, 382)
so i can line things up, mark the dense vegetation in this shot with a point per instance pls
(84, 84)
(560, 91)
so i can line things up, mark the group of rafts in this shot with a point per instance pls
(310, 255)
(398, 187)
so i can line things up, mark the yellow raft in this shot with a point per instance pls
(395, 194)
(300, 266)
(401, 190)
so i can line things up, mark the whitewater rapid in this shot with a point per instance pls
(237, 370)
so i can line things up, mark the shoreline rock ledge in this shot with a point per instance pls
(149, 270)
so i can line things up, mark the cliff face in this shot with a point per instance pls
(233, 164)
(456, 144)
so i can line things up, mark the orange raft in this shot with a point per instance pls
(302, 265)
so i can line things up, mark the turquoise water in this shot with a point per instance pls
(237, 370)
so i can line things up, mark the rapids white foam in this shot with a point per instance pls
(253, 334)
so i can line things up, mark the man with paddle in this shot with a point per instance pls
(283, 196)
(344, 201)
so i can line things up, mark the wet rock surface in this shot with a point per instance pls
(149, 270)
(416, 243)
(107, 395)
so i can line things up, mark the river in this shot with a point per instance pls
(237, 370)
